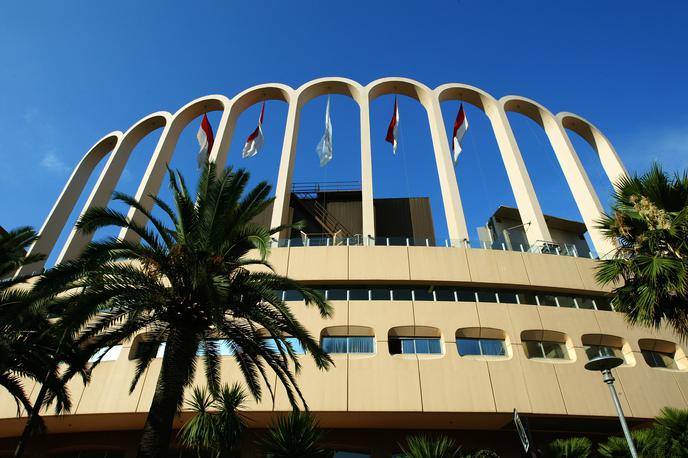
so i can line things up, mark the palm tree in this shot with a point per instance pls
(218, 431)
(32, 345)
(573, 447)
(422, 446)
(295, 435)
(617, 447)
(649, 269)
(188, 284)
(670, 433)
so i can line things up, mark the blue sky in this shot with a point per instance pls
(73, 71)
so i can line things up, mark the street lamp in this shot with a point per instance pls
(605, 364)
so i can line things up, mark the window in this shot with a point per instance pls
(595, 351)
(423, 294)
(465, 295)
(358, 294)
(222, 346)
(659, 359)
(415, 345)
(597, 345)
(547, 299)
(526, 298)
(337, 294)
(487, 296)
(401, 294)
(444, 294)
(566, 301)
(603, 303)
(380, 294)
(273, 344)
(348, 344)
(543, 344)
(545, 349)
(507, 297)
(107, 354)
(661, 354)
(292, 295)
(585, 303)
(480, 347)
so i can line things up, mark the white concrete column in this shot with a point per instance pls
(157, 166)
(522, 187)
(280, 208)
(582, 189)
(367, 199)
(57, 218)
(102, 191)
(453, 209)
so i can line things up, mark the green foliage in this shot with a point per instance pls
(186, 280)
(670, 433)
(649, 269)
(422, 446)
(295, 435)
(617, 447)
(573, 447)
(481, 454)
(217, 424)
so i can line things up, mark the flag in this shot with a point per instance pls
(324, 148)
(460, 128)
(205, 141)
(254, 142)
(392, 129)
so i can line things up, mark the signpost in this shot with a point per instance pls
(522, 432)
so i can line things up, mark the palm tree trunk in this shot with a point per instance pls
(180, 352)
(33, 417)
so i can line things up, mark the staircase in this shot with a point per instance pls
(305, 196)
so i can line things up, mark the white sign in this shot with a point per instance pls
(521, 430)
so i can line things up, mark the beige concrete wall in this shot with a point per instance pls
(447, 383)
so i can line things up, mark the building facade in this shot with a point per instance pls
(427, 335)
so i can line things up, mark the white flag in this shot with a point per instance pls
(324, 148)
(460, 128)
(254, 142)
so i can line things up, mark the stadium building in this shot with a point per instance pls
(428, 335)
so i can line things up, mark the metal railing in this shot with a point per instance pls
(324, 239)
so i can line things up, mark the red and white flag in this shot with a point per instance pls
(254, 142)
(460, 128)
(393, 126)
(205, 141)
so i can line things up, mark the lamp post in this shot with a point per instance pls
(605, 364)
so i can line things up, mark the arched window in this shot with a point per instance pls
(421, 340)
(597, 345)
(546, 345)
(662, 354)
(487, 342)
(348, 339)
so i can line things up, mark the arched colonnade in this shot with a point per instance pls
(120, 145)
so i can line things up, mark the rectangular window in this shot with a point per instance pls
(415, 345)
(292, 295)
(401, 294)
(487, 296)
(507, 297)
(466, 295)
(526, 298)
(444, 294)
(336, 294)
(348, 344)
(566, 301)
(481, 347)
(358, 294)
(547, 299)
(594, 351)
(380, 294)
(659, 359)
(603, 303)
(585, 303)
(423, 294)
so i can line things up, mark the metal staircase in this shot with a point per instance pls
(306, 195)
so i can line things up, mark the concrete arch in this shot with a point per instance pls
(155, 172)
(584, 194)
(451, 199)
(57, 218)
(109, 177)
(519, 179)
(304, 94)
(611, 162)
